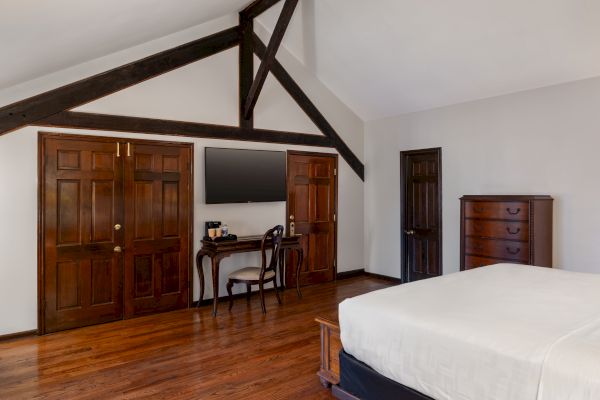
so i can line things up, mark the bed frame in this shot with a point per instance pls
(351, 379)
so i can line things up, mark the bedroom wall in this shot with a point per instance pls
(542, 141)
(205, 91)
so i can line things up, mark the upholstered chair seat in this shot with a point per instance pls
(250, 274)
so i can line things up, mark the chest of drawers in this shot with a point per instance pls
(503, 228)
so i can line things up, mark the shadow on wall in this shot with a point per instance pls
(309, 35)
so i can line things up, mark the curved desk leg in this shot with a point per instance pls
(300, 257)
(282, 258)
(199, 257)
(215, 278)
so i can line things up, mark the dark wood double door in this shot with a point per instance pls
(115, 218)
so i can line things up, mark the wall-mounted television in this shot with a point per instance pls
(244, 176)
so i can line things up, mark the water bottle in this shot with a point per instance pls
(224, 230)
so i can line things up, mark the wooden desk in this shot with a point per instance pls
(217, 251)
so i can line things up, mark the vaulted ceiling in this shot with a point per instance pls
(38, 37)
(381, 58)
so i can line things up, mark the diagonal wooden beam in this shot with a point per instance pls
(258, 7)
(311, 110)
(118, 123)
(269, 56)
(33, 109)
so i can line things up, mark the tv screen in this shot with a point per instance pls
(244, 176)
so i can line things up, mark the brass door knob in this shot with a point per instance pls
(118, 227)
(118, 249)
(291, 217)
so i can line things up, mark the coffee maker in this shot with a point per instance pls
(211, 225)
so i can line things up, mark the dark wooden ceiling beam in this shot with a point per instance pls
(257, 7)
(311, 110)
(105, 122)
(269, 56)
(33, 109)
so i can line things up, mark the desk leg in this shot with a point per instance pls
(215, 279)
(300, 257)
(282, 257)
(199, 257)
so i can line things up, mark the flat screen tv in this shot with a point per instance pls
(244, 176)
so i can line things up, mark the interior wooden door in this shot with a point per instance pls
(422, 217)
(81, 201)
(312, 207)
(158, 203)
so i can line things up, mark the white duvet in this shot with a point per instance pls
(503, 332)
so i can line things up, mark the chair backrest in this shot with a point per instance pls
(271, 240)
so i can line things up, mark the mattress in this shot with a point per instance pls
(503, 332)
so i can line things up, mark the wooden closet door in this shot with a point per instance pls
(311, 204)
(81, 197)
(157, 220)
(422, 218)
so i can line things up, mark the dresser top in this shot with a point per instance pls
(504, 197)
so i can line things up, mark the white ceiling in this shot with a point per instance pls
(381, 58)
(38, 37)
(387, 57)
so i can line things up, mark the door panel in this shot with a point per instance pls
(421, 241)
(157, 196)
(311, 201)
(81, 192)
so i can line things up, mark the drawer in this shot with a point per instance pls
(497, 229)
(505, 249)
(476, 262)
(509, 210)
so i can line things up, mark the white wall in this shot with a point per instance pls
(206, 92)
(543, 141)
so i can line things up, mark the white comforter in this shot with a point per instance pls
(504, 332)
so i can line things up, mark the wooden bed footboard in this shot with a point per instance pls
(331, 344)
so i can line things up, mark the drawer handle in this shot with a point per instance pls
(511, 212)
(514, 252)
(511, 232)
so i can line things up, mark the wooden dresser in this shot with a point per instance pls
(515, 229)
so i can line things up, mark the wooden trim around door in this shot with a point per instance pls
(404, 247)
(335, 156)
(42, 135)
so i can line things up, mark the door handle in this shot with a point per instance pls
(118, 227)
(118, 249)
(409, 232)
(291, 217)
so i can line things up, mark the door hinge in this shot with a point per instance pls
(335, 172)
(334, 217)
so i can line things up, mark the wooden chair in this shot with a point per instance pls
(265, 274)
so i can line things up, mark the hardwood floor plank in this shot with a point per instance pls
(185, 354)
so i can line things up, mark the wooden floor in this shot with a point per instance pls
(185, 354)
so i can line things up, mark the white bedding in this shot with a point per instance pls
(503, 332)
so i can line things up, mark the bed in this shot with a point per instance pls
(503, 332)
